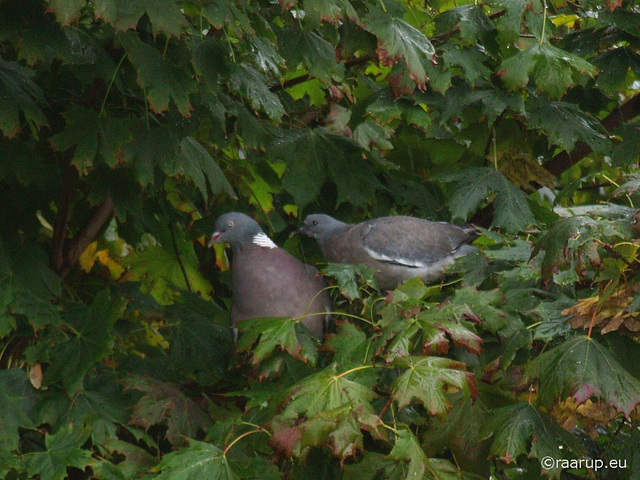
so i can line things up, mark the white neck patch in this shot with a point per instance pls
(262, 240)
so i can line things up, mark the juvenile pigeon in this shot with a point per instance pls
(268, 281)
(399, 248)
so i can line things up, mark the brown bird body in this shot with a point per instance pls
(267, 280)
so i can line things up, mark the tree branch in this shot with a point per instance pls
(625, 113)
(77, 245)
(60, 228)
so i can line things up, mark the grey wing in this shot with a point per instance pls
(411, 242)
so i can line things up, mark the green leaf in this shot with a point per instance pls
(406, 461)
(163, 402)
(583, 368)
(92, 135)
(447, 319)
(67, 11)
(330, 10)
(556, 242)
(167, 265)
(62, 450)
(328, 390)
(427, 378)
(165, 15)
(162, 79)
(509, 25)
(17, 398)
(312, 51)
(408, 452)
(201, 168)
(151, 149)
(326, 409)
(39, 311)
(626, 20)
(310, 153)
(371, 135)
(93, 340)
(483, 305)
(201, 346)
(494, 103)
(565, 124)
(472, 186)
(397, 39)
(248, 81)
(470, 60)
(18, 93)
(554, 70)
(522, 429)
(265, 54)
(269, 333)
(350, 346)
(133, 461)
(25, 265)
(81, 131)
(336, 428)
(553, 322)
(199, 460)
(347, 276)
(614, 68)
(475, 27)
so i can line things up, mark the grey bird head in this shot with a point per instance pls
(321, 227)
(235, 228)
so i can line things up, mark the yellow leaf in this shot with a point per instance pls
(222, 261)
(564, 20)
(87, 260)
(115, 269)
(154, 337)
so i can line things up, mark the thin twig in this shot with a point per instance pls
(179, 257)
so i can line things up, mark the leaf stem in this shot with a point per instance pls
(495, 149)
(179, 257)
(246, 434)
(361, 367)
(544, 21)
(113, 79)
(593, 318)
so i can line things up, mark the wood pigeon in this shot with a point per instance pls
(399, 248)
(268, 281)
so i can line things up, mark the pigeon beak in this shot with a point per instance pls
(297, 231)
(214, 238)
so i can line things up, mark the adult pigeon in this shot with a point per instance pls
(399, 248)
(268, 281)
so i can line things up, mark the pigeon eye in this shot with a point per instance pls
(315, 222)
(230, 224)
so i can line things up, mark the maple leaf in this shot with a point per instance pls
(325, 409)
(62, 450)
(397, 39)
(474, 185)
(554, 69)
(197, 460)
(427, 379)
(164, 80)
(18, 93)
(523, 429)
(583, 368)
(261, 337)
(163, 402)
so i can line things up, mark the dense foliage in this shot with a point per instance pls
(127, 127)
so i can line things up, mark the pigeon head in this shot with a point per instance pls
(320, 226)
(236, 229)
